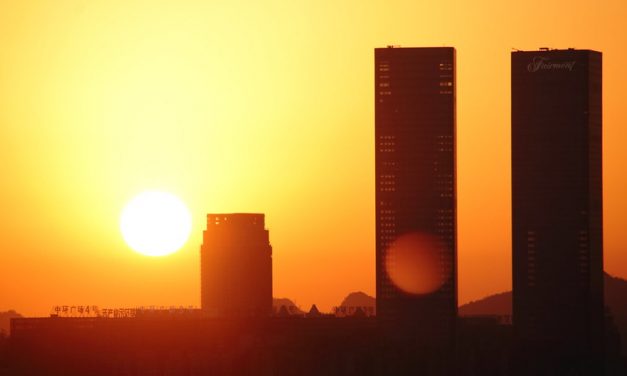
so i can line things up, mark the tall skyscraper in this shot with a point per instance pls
(416, 246)
(557, 210)
(236, 266)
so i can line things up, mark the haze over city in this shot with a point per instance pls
(264, 107)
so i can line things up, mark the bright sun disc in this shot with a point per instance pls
(155, 223)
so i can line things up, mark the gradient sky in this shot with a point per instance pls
(242, 106)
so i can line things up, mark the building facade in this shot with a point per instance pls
(236, 266)
(557, 197)
(415, 167)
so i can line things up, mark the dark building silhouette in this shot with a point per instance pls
(415, 170)
(236, 266)
(557, 211)
(189, 344)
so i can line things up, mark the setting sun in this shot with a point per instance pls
(101, 100)
(155, 223)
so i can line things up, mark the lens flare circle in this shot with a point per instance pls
(415, 265)
(155, 223)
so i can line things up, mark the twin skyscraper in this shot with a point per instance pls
(557, 219)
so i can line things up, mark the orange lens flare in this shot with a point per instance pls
(415, 265)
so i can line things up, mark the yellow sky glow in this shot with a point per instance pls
(257, 107)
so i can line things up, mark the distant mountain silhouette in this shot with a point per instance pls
(615, 290)
(289, 305)
(358, 299)
(616, 297)
(497, 304)
(501, 304)
(616, 300)
(5, 320)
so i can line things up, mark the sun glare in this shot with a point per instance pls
(155, 223)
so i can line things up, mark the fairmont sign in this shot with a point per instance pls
(544, 63)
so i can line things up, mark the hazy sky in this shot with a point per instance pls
(262, 106)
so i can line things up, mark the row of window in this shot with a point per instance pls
(389, 92)
(445, 83)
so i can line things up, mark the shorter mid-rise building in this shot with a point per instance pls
(236, 266)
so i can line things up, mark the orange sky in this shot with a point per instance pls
(257, 107)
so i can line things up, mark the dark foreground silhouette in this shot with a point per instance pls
(615, 290)
(273, 346)
(5, 321)
(301, 344)
(292, 342)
